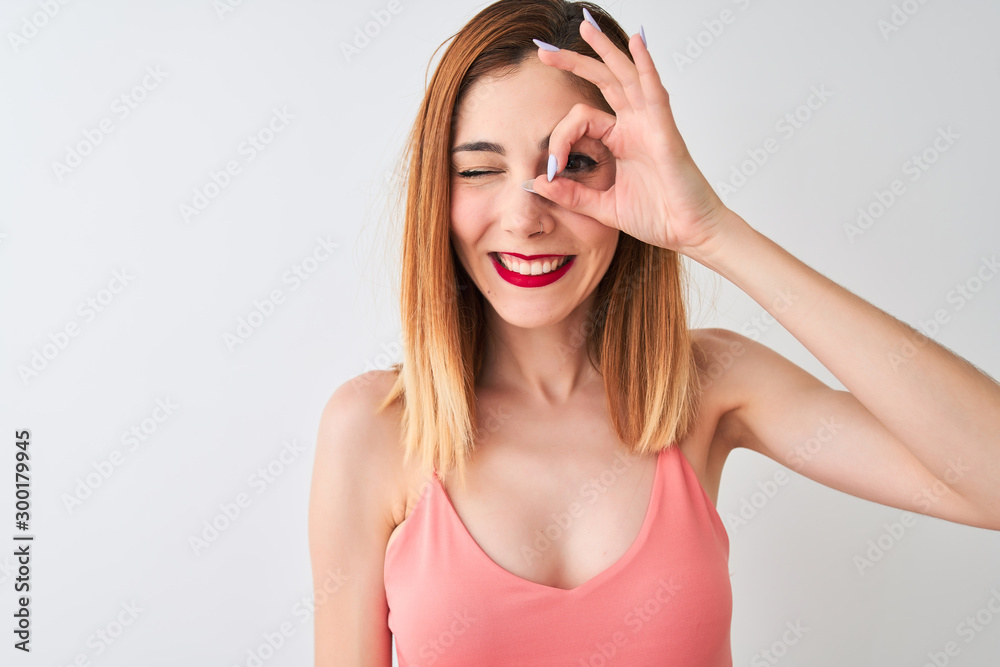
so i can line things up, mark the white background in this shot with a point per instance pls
(162, 335)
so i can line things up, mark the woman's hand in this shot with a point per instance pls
(659, 195)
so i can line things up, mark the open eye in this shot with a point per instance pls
(586, 163)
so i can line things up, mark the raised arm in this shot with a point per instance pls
(916, 419)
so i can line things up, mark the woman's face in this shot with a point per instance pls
(491, 213)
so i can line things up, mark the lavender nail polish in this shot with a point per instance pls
(550, 171)
(590, 19)
(545, 46)
(642, 33)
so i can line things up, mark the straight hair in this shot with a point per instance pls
(636, 335)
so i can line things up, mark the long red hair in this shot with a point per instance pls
(637, 335)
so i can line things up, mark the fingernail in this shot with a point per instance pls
(551, 169)
(545, 46)
(642, 33)
(590, 20)
(527, 185)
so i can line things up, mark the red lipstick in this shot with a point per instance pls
(531, 281)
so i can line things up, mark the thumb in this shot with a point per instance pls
(570, 195)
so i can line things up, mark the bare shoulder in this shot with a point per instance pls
(733, 365)
(719, 353)
(736, 369)
(377, 438)
(721, 357)
(371, 438)
(351, 515)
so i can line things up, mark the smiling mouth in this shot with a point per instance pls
(533, 267)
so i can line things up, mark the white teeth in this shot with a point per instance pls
(531, 268)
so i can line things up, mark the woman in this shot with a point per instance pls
(536, 482)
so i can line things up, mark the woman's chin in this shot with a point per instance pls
(529, 317)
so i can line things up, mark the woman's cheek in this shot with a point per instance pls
(468, 212)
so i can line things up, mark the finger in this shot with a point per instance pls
(656, 95)
(623, 69)
(578, 198)
(592, 70)
(653, 91)
(582, 121)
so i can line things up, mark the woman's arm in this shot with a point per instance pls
(916, 419)
(917, 428)
(349, 527)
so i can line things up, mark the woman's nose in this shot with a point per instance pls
(524, 208)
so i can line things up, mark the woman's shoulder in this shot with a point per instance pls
(354, 405)
(724, 357)
(729, 366)
(718, 355)
(373, 437)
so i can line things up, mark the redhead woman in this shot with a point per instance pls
(536, 482)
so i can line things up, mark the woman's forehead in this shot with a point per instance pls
(530, 81)
(527, 99)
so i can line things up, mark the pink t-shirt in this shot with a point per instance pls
(666, 601)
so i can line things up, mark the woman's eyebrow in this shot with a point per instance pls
(492, 147)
